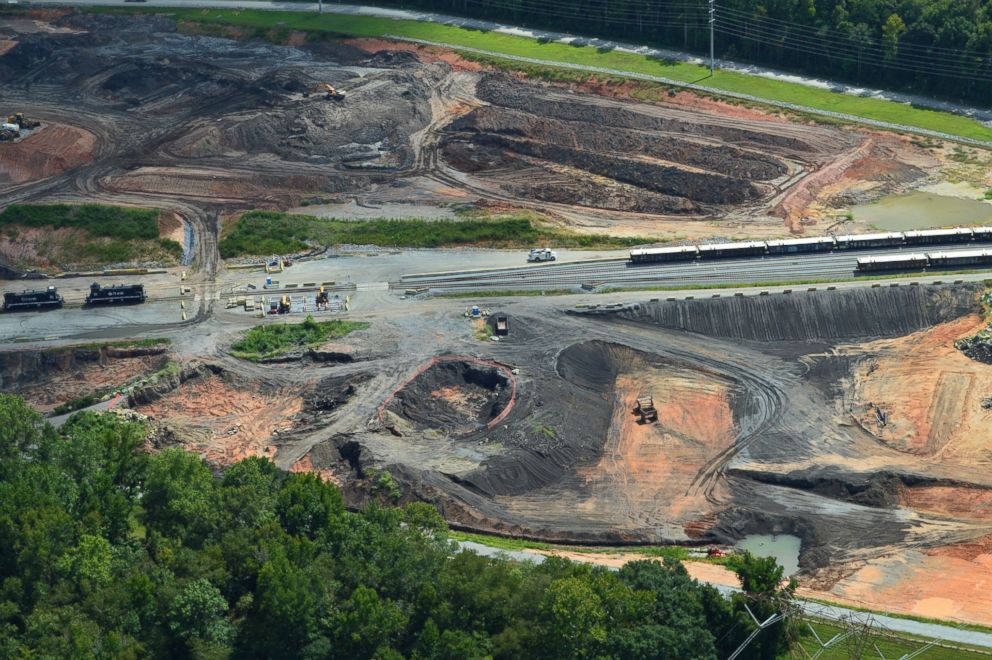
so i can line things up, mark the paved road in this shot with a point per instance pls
(982, 114)
(618, 272)
(925, 630)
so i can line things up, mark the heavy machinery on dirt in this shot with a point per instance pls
(646, 410)
(330, 92)
(23, 122)
(116, 294)
(41, 299)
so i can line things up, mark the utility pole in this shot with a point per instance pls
(712, 25)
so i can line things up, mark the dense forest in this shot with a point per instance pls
(934, 47)
(106, 551)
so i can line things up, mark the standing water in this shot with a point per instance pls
(921, 210)
(783, 547)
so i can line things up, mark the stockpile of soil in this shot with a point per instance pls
(455, 397)
(811, 316)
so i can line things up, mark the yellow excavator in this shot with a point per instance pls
(330, 93)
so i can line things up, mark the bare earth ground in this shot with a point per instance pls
(764, 423)
(66, 377)
(227, 124)
(227, 421)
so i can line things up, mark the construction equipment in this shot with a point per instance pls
(284, 305)
(330, 93)
(6, 134)
(645, 408)
(323, 299)
(542, 254)
(476, 312)
(119, 293)
(22, 122)
(45, 299)
(501, 326)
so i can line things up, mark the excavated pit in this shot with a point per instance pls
(218, 414)
(454, 397)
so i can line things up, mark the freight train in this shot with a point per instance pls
(116, 294)
(44, 299)
(907, 261)
(811, 245)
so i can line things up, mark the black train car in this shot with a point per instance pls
(44, 299)
(119, 293)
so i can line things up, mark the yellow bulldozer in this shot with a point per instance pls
(22, 121)
(330, 92)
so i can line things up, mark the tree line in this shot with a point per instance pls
(106, 551)
(933, 47)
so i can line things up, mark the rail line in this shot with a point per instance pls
(619, 272)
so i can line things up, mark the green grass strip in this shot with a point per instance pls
(266, 341)
(272, 232)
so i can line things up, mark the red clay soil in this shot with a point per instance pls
(954, 501)
(306, 465)
(652, 465)
(234, 422)
(935, 585)
(931, 392)
(48, 151)
(425, 53)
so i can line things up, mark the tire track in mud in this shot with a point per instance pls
(766, 400)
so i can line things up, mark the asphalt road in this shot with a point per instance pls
(947, 634)
(618, 272)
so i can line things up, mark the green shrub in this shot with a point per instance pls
(270, 340)
(117, 222)
(271, 232)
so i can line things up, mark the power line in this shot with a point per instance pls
(847, 56)
(831, 32)
(848, 46)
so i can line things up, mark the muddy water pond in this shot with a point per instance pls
(920, 210)
(783, 547)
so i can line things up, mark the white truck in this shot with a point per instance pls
(542, 254)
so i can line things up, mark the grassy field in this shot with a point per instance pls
(890, 646)
(272, 232)
(262, 23)
(98, 234)
(265, 341)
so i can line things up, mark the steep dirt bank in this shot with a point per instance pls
(49, 378)
(809, 316)
(50, 150)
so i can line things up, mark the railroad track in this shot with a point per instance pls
(613, 272)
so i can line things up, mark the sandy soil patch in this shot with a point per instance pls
(698, 570)
(306, 465)
(171, 227)
(52, 149)
(424, 53)
(930, 393)
(650, 467)
(239, 421)
(940, 587)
